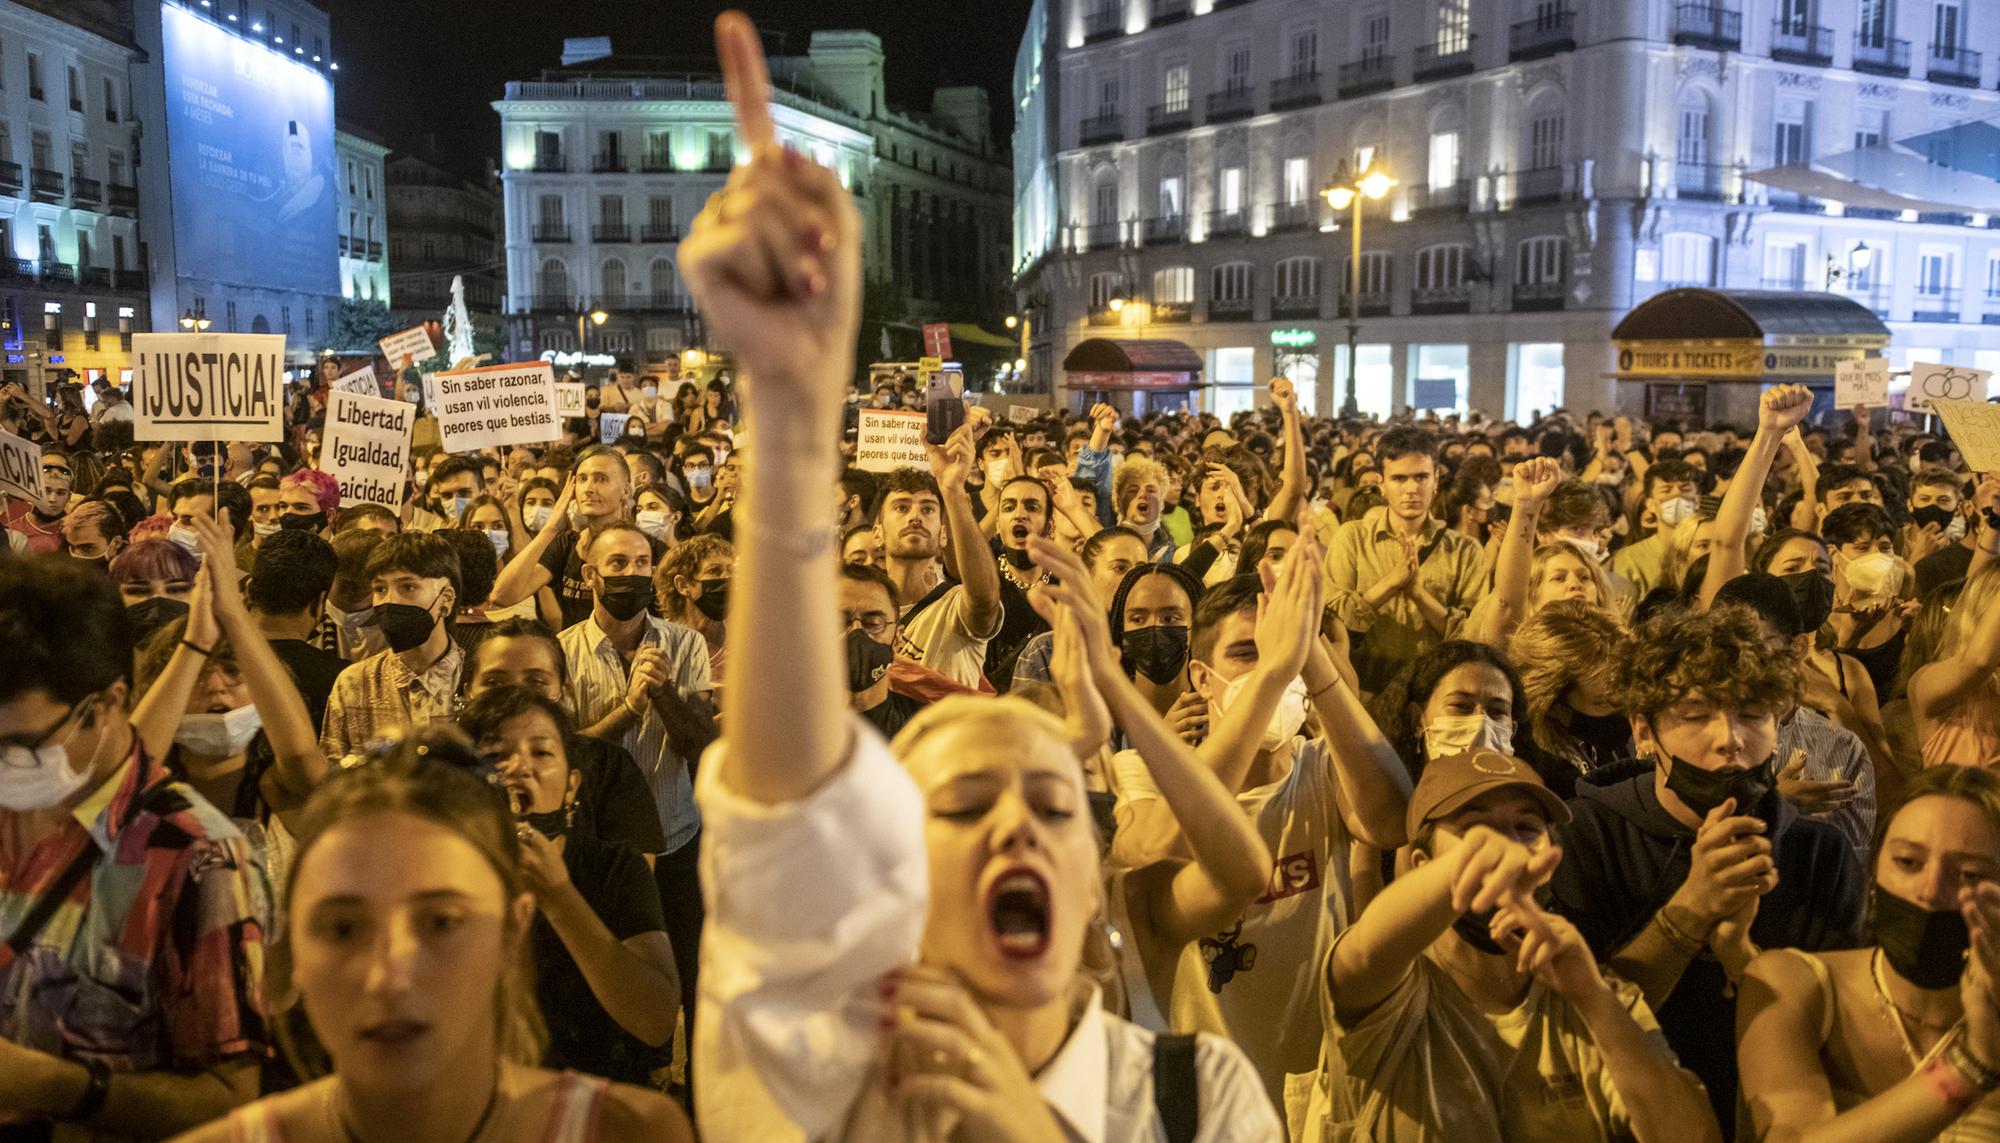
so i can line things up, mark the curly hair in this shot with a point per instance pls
(1721, 653)
(685, 559)
(1398, 708)
(325, 489)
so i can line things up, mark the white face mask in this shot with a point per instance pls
(263, 530)
(1956, 530)
(1758, 520)
(351, 620)
(650, 392)
(1450, 734)
(38, 777)
(1674, 511)
(1285, 721)
(1223, 568)
(188, 539)
(1591, 548)
(537, 518)
(500, 541)
(1877, 575)
(653, 522)
(219, 735)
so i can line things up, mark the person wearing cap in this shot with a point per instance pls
(1458, 1009)
(1681, 864)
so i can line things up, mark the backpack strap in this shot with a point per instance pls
(929, 598)
(1176, 1087)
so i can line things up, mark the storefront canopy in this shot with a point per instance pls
(1100, 363)
(1744, 335)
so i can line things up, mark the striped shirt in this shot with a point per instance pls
(156, 961)
(1834, 753)
(600, 679)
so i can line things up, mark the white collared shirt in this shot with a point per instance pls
(600, 680)
(809, 904)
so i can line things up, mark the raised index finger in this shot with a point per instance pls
(745, 78)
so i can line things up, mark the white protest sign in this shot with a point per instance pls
(569, 399)
(1859, 384)
(1974, 427)
(496, 405)
(889, 439)
(1021, 414)
(611, 426)
(407, 348)
(360, 381)
(20, 467)
(1932, 383)
(208, 387)
(367, 447)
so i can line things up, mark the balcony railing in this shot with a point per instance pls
(1952, 64)
(47, 186)
(719, 162)
(550, 164)
(1538, 185)
(1881, 55)
(1104, 127)
(1435, 61)
(659, 232)
(1935, 306)
(1100, 235)
(1717, 27)
(87, 192)
(1231, 309)
(1790, 202)
(1161, 231)
(17, 269)
(1455, 196)
(1989, 313)
(1168, 12)
(374, 251)
(124, 199)
(1703, 182)
(1875, 295)
(1105, 315)
(554, 301)
(1370, 73)
(94, 277)
(550, 232)
(1783, 285)
(1164, 117)
(58, 273)
(1231, 103)
(1374, 303)
(605, 164)
(610, 232)
(1225, 223)
(1300, 89)
(1548, 33)
(1288, 216)
(10, 176)
(657, 164)
(1173, 313)
(1103, 23)
(1536, 297)
(1793, 41)
(1302, 306)
(1441, 300)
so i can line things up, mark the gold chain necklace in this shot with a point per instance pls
(1896, 1015)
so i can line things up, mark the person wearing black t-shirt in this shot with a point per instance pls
(599, 492)
(868, 607)
(604, 967)
(287, 593)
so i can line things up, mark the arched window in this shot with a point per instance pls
(1229, 287)
(1696, 173)
(1546, 122)
(552, 282)
(1104, 287)
(613, 282)
(1297, 279)
(662, 274)
(1174, 284)
(1441, 270)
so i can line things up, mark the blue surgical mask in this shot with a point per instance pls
(500, 540)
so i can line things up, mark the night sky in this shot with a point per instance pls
(409, 68)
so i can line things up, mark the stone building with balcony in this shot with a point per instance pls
(443, 225)
(72, 277)
(358, 157)
(1556, 163)
(606, 160)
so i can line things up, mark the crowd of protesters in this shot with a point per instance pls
(1107, 779)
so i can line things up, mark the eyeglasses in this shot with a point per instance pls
(27, 755)
(874, 623)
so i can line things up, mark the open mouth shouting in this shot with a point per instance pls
(1017, 534)
(1018, 908)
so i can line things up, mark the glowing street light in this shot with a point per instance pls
(1373, 184)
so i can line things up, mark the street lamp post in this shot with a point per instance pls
(1372, 184)
(594, 317)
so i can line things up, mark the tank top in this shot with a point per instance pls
(1970, 734)
(1881, 663)
(572, 1117)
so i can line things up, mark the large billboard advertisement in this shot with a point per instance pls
(250, 150)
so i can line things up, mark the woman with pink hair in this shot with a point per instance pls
(308, 499)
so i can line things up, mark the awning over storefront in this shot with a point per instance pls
(1744, 335)
(1104, 363)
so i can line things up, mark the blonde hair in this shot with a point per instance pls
(1540, 565)
(1680, 547)
(1980, 593)
(1565, 644)
(1135, 471)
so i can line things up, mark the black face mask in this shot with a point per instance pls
(404, 625)
(1605, 737)
(1931, 514)
(1158, 653)
(1703, 790)
(867, 660)
(1814, 594)
(553, 824)
(714, 601)
(153, 614)
(1476, 929)
(101, 563)
(624, 596)
(297, 522)
(1925, 946)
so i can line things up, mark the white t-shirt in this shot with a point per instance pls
(1263, 973)
(941, 638)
